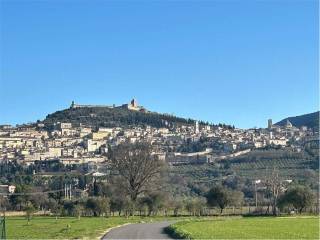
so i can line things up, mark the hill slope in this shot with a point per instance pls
(113, 117)
(310, 120)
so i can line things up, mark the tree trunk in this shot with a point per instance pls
(268, 209)
(300, 210)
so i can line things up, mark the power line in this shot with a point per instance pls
(31, 193)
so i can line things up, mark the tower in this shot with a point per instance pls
(134, 103)
(72, 104)
(270, 135)
(269, 123)
(196, 127)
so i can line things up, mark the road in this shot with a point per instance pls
(139, 231)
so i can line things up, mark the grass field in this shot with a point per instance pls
(41, 227)
(49, 228)
(195, 228)
(249, 228)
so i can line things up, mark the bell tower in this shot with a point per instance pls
(134, 103)
(72, 104)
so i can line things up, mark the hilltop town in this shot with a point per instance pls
(189, 143)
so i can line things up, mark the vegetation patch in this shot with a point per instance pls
(69, 227)
(248, 228)
(62, 228)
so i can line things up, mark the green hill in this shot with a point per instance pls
(310, 120)
(114, 117)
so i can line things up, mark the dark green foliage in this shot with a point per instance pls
(101, 189)
(153, 201)
(68, 207)
(118, 203)
(20, 201)
(98, 206)
(299, 197)
(218, 197)
(119, 117)
(113, 117)
(222, 197)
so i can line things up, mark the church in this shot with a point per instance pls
(133, 105)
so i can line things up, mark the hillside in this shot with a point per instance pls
(310, 120)
(113, 117)
(254, 165)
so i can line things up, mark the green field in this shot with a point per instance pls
(195, 228)
(249, 228)
(41, 227)
(49, 228)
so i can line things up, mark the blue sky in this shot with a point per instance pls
(235, 62)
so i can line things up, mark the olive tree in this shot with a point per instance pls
(223, 197)
(299, 197)
(30, 210)
(217, 197)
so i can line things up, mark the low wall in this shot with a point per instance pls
(23, 213)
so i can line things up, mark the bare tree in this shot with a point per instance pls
(137, 165)
(274, 185)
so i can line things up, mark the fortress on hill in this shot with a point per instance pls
(133, 105)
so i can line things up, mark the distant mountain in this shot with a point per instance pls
(310, 120)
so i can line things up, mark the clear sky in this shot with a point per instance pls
(235, 62)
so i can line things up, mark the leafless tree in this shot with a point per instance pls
(138, 166)
(274, 185)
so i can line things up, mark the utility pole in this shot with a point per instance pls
(70, 192)
(3, 225)
(255, 190)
